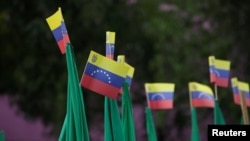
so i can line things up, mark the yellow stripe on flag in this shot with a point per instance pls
(131, 70)
(108, 64)
(234, 82)
(243, 86)
(222, 64)
(194, 86)
(55, 20)
(159, 87)
(110, 37)
(121, 59)
(211, 60)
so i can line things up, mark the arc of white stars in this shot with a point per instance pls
(104, 72)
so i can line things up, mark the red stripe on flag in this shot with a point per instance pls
(202, 103)
(111, 56)
(66, 39)
(248, 102)
(160, 104)
(212, 77)
(237, 99)
(222, 82)
(62, 46)
(99, 87)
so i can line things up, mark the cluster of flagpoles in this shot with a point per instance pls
(105, 76)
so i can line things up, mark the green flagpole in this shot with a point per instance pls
(151, 132)
(75, 123)
(127, 114)
(195, 134)
(112, 121)
(218, 116)
(2, 137)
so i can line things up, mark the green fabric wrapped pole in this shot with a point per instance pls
(112, 121)
(218, 116)
(195, 134)
(2, 137)
(150, 125)
(127, 115)
(75, 126)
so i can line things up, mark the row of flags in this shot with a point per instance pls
(109, 77)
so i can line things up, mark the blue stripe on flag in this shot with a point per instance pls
(160, 96)
(104, 75)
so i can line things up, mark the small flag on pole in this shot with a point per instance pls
(129, 77)
(241, 90)
(103, 76)
(57, 26)
(201, 95)
(244, 88)
(160, 95)
(110, 44)
(219, 71)
(112, 121)
(240, 87)
(236, 91)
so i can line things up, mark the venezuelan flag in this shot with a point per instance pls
(244, 88)
(160, 95)
(110, 44)
(130, 74)
(57, 26)
(103, 75)
(211, 61)
(201, 95)
(129, 77)
(222, 70)
(236, 92)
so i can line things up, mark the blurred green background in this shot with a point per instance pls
(165, 40)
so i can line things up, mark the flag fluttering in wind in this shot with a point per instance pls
(103, 75)
(2, 137)
(127, 114)
(151, 132)
(219, 71)
(57, 26)
(160, 95)
(110, 44)
(201, 95)
(195, 133)
(75, 124)
(129, 77)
